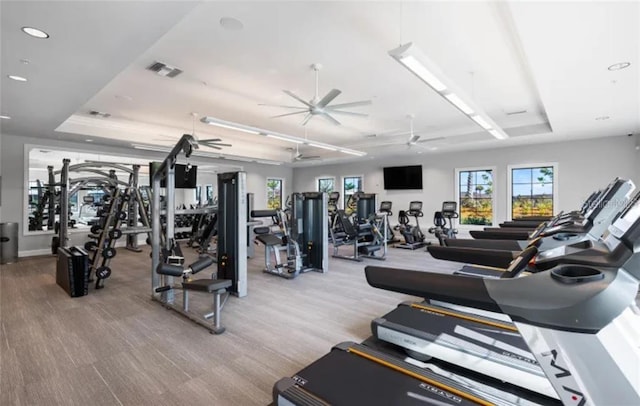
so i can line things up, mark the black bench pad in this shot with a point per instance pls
(207, 285)
(269, 239)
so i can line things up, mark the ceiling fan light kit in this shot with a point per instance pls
(410, 56)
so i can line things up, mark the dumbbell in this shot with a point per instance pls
(103, 272)
(109, 252)
(115, 233)
(90, 245)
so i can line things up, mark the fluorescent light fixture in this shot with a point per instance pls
(498, 134)
(5, 117)
(481, 122)
(461, 105)
(421, 66)
(356, 153)
(34, 32)
(328, 147)
(229, 125)
(150, 148)
(411, 58)
(17, 78)
(282, 138)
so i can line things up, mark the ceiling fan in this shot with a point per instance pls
(302, 157)
(213, 143)
(321, 107)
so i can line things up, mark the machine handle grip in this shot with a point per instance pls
(201, 264)
(264, 213)
(171, 270)
(455, 289)
(163, 289)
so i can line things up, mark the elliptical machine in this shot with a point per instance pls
(440, 229)
(385, 209)
(413, 235)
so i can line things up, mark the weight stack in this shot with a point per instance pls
(72, 270)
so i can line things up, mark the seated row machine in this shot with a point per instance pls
(276, 242)
(218, 287)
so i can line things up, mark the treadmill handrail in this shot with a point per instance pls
(539, 299)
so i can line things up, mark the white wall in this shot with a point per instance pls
(583, 166)
(12, 163)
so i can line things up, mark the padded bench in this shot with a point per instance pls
(216, 286)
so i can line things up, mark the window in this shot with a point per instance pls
(475, 190)
(274, 193)
(350, 185)
(532, 190)
(209, 193)
(198, 194)
(326, 184)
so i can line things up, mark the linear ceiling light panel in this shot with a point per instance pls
(482, 122)
(414, 60)
(229, 125)
(270, 134)
(281, 138)
(409, 56)
(323, 146)
(456, 101)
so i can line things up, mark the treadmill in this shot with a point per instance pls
(356, 374)
(499, 253)
(496, 345)
(573, 223)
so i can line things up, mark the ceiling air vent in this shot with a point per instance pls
(96, 113)
(163, 69)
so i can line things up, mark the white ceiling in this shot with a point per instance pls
(549, 59)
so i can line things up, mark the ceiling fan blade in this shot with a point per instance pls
(305, 157)
(306, 103)
(331, 119)
(212, 146)
(413, 139)
(350, 113)
(328, 98)
(290, 114)
(307, 118)
(210, 140)
(352, 104)
(220, 145)
(282, 105)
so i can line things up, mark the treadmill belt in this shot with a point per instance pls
(352, 374)
(427, 322)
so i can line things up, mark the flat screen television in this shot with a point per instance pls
(403, 177)
(185, 179)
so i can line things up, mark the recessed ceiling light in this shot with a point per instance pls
(17, 78)
(231, 24)
(5, 117)
(124, 96)
(34, 32)
(619, 66)
(419, 152)
(25, 61)
(602, 118)
(89, 140)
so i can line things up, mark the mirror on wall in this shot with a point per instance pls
(90, 186)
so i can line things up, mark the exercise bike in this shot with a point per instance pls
(440, 229)
(413, 235)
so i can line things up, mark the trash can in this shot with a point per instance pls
(8, 243)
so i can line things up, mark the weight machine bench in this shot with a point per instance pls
(218, 287)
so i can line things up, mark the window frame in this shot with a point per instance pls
(510, 169)
(344, 194)
(494, 201)
(319, 178)
(282, 194)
